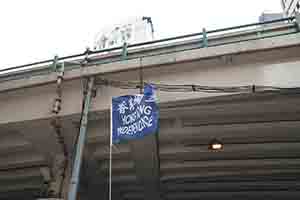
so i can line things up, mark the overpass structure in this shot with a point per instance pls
(259, 129)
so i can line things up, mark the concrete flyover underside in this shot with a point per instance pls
(259, 130)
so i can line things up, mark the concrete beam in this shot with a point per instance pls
(248, 68)
(161, 59)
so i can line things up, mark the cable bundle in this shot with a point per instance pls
(188, 87)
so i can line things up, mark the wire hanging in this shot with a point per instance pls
(189, 87)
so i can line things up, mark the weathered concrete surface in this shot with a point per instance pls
(170, 58)
(221, 66)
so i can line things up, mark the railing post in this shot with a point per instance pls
(55, 62)
(297, 17)
(204, 38)
(124, 51)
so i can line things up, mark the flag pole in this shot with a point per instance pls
(110, 152)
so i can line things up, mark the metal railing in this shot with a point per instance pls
(204, 34)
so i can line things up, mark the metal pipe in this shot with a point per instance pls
(74, 182)
(252, 24)
(147, 43)
(210, 45)
(41, 62)
(133, 57)
(212, 31)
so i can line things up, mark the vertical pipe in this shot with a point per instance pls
(110, 152)
(73, 187)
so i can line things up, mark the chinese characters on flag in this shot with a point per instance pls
(134, 116)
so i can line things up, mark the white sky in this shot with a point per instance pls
(33, 30)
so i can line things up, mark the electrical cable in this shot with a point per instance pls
(189, 87)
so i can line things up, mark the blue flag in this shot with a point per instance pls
(134, 116)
